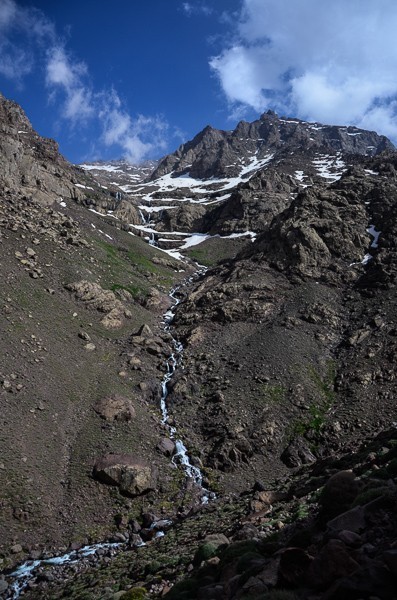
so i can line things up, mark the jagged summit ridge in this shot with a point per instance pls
(217, 153)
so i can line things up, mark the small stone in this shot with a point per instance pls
(350, 538)
(3, 586)
(84, 336)
(122, 374)
(214, 561)
(30, 252)
(135, 361)
(16, 548)
(90, 347)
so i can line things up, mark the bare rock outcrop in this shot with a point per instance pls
(93, 295)
(32, 164)
(130, 474)
(115, 408)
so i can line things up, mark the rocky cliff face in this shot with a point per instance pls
(32, 164)
(214, 153)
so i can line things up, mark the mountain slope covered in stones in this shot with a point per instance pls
(285, 394)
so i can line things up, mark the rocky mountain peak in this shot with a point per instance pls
(216, 153)
(12, 116)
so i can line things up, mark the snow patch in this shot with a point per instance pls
(109, 168)
(329, 167)
(375, 234)
(84, 187)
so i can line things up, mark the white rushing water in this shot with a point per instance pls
(181, 456)
(29, 569)
(26, 572)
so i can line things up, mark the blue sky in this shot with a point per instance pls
(136, 78)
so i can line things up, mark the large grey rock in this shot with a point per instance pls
(132, 475)
(115, 408)
(166, 446)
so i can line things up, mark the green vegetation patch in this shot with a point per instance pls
(202, 256)
(131, 268)
(326, 384)
(214, 250)
(318, 411)
(138, 593)
(274, 394)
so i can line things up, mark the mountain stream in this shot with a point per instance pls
(27, 572)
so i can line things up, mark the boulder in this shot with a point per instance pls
(333, 562)
(133, 476)
(115, 408)
(105, 301)
(216, 539)
(293, 567)
(339, 493)
(166, 446)
(352, 520)
(297, 453)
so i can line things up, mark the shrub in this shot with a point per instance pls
(204, 552)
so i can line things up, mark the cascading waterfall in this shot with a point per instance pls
(145, 219)
(181, 455)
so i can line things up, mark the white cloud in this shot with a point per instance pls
(136, 137)
(8, 12)
(36, 29)
(196, 9)
(68, 75)
(332, 62)
(15, 62)
(69, 85)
